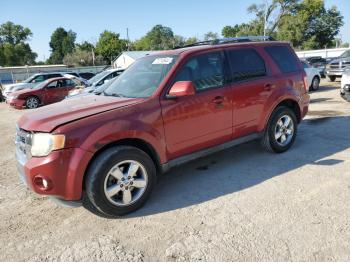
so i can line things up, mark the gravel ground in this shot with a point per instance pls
(242, 204)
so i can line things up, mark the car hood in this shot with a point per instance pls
(23, 91)
(47, 118)
(19, 86)
(337, 60)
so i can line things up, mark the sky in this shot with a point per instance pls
(89, 18)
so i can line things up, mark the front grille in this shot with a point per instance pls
(334, 65)
(23, 142)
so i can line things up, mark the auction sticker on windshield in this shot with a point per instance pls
(162, 61)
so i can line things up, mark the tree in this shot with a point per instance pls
(110, 46)
(85, 46)
(14, 34)
(82, 58)
(62, 43)
(159, 38)
(236, 30)
(312, 26)
(191, 40)
(210, 36)
(14, 50)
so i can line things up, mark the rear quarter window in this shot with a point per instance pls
(284, 58)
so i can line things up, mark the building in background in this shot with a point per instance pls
(125, 59)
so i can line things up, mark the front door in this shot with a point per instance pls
(202, 120)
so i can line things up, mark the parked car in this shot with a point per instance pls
(2, 98)
(318, 62)
(50, 91)
(345, 85)
(91, 89)
(30, 82)
(336, 67)
(164, 110)
(86, 75)
(103, 77)
(313, 76)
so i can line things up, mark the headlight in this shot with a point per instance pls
(328, 66)
(13, 97)
(44, 143)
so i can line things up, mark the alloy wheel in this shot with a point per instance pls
(125, 183)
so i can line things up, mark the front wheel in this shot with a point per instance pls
(281, 130)
(32, 102)
(119, 181)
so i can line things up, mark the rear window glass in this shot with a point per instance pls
(283, 57)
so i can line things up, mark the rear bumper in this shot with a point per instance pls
(16, 103)
(63, 171)
(304, 104)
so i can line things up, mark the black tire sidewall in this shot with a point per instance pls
(99, 169)
(312, 84)
(277, 114)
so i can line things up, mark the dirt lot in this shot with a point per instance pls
(241, 204)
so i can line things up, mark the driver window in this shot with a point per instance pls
(205, 71)
(52, 84)
(38, 79)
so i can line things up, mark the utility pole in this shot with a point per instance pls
(127, 38)
(265, 18)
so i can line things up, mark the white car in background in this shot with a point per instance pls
(313, 76)
(345, 84)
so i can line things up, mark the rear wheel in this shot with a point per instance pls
(331, 78)
(281, 130)
(119, 181)
(32, 102)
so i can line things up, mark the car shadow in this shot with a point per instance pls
(247, 165)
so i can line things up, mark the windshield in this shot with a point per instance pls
(345, 54)
(28, 80)
(143, 77)
(97, 77)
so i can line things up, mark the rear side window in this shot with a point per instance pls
(246, 64)
(284, 58)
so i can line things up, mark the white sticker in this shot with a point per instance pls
(162, 61)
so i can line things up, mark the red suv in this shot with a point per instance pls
(168, 108)
(47, 92)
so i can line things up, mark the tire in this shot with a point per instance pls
(270, 141)
(32, 102)
(332, 78)
(124, 196)
(315, 84)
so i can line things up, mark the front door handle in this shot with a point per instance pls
(218, 100)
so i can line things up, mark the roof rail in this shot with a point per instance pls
(231, 40)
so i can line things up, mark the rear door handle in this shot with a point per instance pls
(218, 100)
(268, 87)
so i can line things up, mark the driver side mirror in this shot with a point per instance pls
(181, 88)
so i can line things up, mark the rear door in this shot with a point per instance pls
(251, 85)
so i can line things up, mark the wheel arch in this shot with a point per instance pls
(134, 142)
(287, 102)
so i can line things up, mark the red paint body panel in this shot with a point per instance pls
(172, 127)
(64, 168)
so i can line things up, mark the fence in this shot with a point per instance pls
(325, 53)
(9, 75)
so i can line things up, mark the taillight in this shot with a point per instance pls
(305, 83)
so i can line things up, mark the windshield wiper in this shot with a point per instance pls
(113, 94)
